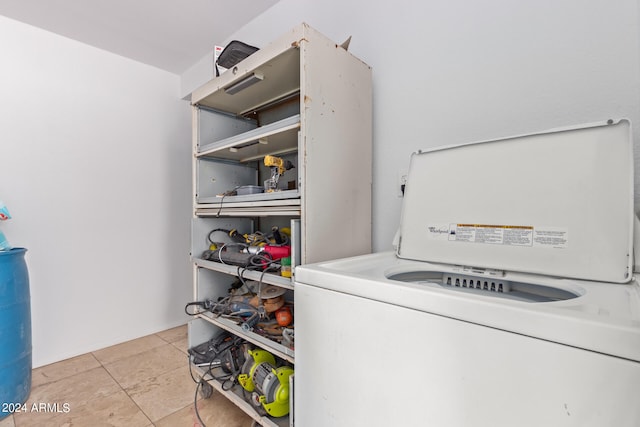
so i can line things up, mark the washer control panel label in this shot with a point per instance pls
(510, 235)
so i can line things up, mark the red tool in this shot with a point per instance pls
(277, 252)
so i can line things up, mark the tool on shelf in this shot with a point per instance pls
(278, 167)
(284, 316)
(251, 250)
(224, 352)
(268, 384)
(261, 310)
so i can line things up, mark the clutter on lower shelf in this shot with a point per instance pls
(233, 366)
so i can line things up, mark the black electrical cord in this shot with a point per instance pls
(227, 232)
(240, 274)
(261, 259)
(191, 370)
(213, 307)
(223, 379)
(195, 405)
(195, 397)
(225, 194)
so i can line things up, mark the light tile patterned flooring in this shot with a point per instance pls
(144, 382)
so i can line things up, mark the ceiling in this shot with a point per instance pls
(168, 34)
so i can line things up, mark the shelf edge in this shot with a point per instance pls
(281, 126)
(265, 343)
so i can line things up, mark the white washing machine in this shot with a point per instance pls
(510, 300)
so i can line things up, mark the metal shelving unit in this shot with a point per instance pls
(307, 100)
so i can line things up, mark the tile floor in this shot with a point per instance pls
(144, 382)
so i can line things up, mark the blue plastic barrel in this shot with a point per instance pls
(15, 330)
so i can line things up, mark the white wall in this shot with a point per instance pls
(95, 169)
(449, 72)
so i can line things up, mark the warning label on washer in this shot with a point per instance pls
(514, 235)
(492, 234)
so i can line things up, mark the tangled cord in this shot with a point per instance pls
(227, 380)
(227, 308)
(258, 238)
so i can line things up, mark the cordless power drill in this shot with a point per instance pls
(278, 168)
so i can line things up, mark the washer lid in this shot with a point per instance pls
(558, 203)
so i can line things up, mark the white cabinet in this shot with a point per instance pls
(305, 100)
